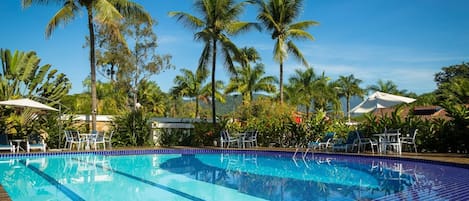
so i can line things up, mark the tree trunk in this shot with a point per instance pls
(94, 100)
(281, 82)
(196, 107)
(214, 62)
(348, 108)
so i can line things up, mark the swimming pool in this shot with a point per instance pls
(226, 175)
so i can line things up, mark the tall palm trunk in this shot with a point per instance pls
(196, 107)
(214, 62)
(348, 107)
(281, 82)
(94, 101)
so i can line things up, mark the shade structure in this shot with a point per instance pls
(27, 103)
(379, 100)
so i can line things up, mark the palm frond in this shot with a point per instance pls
(296, 53)
(187, 19)
(64, 16)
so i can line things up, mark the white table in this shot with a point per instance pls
(241, 137)
(18, 143)
(86, 137)
(383, 138)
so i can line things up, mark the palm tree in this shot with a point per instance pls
(108, 13)
(249, 80)
(190, 85)
(219, 19)
(386, 87)
(325, 95)
(301, 86)
(349, 86)
(278, 17)
(151, 98)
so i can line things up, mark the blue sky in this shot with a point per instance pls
(406, 41)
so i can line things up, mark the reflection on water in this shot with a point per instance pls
(87, 169)
(282, 178)
(37, 178)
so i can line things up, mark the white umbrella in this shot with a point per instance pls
(379, 100)
(27, 103)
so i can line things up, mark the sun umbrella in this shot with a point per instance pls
(379, 100)
(27, 103)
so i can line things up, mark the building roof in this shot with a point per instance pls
(423, 112)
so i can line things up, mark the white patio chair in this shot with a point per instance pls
(36, 143)
(250, 138)
(5, 144)
(226, 138)
(98, 139)
(410, 139)
(363, 141)
(72, 137)
(393, 141)
(108, 139)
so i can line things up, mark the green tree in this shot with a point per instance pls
(107, 13)
(452, 84)
(278, 17)
(22, 76)
(325, 95)
(190, 85)
(249, 80)
(449, 72)
(143, 62)
(151, 98)
(349, 86)
(387, 87)
(301, 85)
(456, 91)
(219, 19)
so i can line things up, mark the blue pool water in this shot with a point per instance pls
(227, 175)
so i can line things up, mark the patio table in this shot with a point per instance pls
(383, 139)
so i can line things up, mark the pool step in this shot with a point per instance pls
(4, 195)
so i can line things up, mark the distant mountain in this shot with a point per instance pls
(233, 101)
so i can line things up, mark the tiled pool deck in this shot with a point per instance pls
(460, 160)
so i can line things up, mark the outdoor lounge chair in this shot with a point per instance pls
(5, 144)
(346, 145)
(35, 142)
(323, 143)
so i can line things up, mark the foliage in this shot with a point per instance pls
(271, 119)
(349, 86)
(389, 87)
(458, 133)
(450, 72)
(132, 129)
(219, 20)
(105, 13)
(278, 17)
(455, 90)
(249, 80)
(151, 98)
(22, 77)
(190, 85)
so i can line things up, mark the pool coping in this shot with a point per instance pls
(186, 150)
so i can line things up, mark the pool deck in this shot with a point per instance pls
(3, 194)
